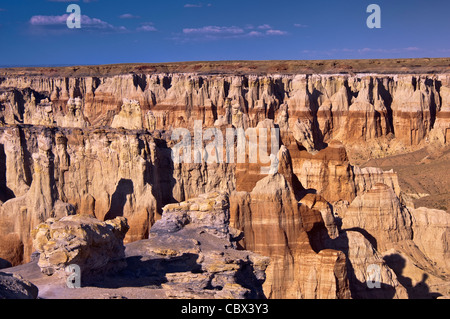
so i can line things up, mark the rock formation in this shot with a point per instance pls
(379, 213)
(197, 233)
(361, 257)
(190, 253)
(432, 234)
(276, 225)
(343, 107)
(403, 237)
(21, 214)
(94, 246)
(100, 145)
(15, 287)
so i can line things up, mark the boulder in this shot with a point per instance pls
(15, 287)
(95, 246)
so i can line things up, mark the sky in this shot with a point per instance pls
(35, 32)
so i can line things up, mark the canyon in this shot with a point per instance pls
(96, 141)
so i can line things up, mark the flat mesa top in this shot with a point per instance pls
(380, 66)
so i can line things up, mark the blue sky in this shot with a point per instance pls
(34, 32)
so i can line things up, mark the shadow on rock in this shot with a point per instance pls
(359, 289)
(142, 271)
(119, 198)
(419, 291)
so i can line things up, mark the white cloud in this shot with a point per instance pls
(363, 51)
(393, 50)
(264, 27)
(147, 28)
(412, 49)
(53, 23)
(214, 30)
(129, 16)
(48, 20)
(255, 34)
(197, 5)
(275, 32)
(226, 32)
(57, 24)
(299, 25)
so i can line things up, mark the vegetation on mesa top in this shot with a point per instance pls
(380, 66)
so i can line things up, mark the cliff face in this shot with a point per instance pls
(372, 115)
(101, 146)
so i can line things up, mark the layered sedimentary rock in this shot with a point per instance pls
(380, 213)
(190, 253)
(40, 201)
(317, 202)
(365, 265)
(442, 130)
(413, 105)
(330, 173)
(101, 145)
(413, 242)
(92, 173)
(266, 218)
(432, 234)
(199, 230)
(344, 107)
(208, 212)
(276, 225)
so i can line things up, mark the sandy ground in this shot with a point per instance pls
(424, 175)
(51, 287)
